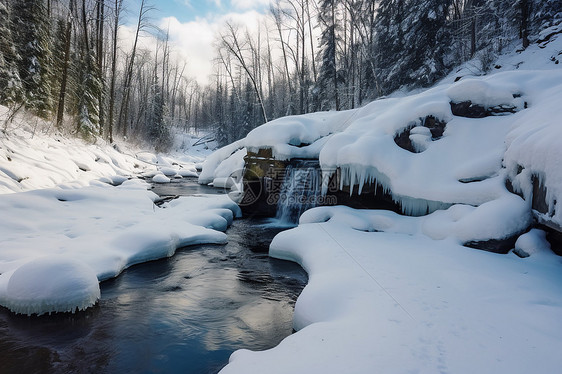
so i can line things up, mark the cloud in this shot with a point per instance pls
(195, 41)
(249, 4)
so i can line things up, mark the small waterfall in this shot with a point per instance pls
(301, 190)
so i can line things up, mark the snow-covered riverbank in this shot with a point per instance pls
(72, 227)
(384, 297)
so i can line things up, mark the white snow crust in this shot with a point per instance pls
(385, 297)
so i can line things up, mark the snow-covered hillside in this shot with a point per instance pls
(33, 156)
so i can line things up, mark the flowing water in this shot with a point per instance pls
(184, 314)
(300, 191)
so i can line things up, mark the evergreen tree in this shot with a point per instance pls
(158, 132)
(328, 78)
(248, 121)
(545, 13)
(413, 38)
(11, 90)
(390, 43)
(427, 39)
(88, 89)
(33, 44)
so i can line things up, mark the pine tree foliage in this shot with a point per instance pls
(11, 90)
(88, 88)
(328, 75)
(31, 33)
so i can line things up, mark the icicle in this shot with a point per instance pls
(362, 180)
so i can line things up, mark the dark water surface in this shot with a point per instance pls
(184, 314)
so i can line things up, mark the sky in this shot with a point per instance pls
(194, 25)
(191, 10)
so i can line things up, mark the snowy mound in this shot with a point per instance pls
(298, 136)
(51, 284)
(483, 93)
(160, 178)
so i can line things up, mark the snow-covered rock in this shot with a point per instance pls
(160, 178)
(532, 243)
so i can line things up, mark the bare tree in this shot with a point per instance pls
(231, 41)
(142, 23)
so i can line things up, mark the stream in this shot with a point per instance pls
(184, 314)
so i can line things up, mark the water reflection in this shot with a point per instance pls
(185, 314)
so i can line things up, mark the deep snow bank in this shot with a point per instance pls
(30, 159)
(33, 156)
(384, 296)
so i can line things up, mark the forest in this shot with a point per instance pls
(65, 61)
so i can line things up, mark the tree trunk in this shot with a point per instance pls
(124, 111)
(99, 60)
(524, 4)
(118, 4)
(64, 78)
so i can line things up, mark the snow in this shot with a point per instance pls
(169, 171)
(160, 178)
(211, 163)
(101, 228)
(480, 92)
(298, 136)
(31, 159)
(69, 234)
(51, 284)
(384, 297)
(532, 243)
